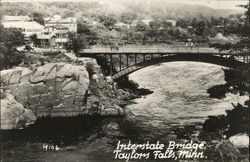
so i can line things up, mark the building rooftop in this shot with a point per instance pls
(30, 25)
(59, 27)
(16, 18)
(60, 21)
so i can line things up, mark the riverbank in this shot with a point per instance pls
(228, 135)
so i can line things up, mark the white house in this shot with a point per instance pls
(145, 21)
(28, 28)
(16, 18)
(121, 25)
(23, 23)
(70, 23)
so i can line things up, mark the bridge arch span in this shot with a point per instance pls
(212, 59)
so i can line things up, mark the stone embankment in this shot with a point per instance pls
(57, 89)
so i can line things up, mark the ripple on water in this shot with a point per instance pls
(180, 93)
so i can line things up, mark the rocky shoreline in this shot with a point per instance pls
(227, 136)
(60, 85)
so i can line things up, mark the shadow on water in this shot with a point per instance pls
(57, 130)
(68, 130)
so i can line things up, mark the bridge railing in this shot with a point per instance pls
(181, 49)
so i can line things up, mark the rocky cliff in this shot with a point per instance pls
(56, 90)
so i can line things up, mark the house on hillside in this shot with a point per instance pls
(56, 31)
(52, 36)
(46, 40)
(70, 23)
(221, 39)
(7, 18)
(23, 23)
(121, 25)
(28, 28)
(145, 21)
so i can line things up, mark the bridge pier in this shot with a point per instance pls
(127, 59)
(120, 60)
(111, 63)
(105, 57)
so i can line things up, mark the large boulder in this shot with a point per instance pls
(13, 114)
(55, 89)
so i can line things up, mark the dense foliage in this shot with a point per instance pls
(38, 17)
(159, 30)
(10, 39)
(240, 26)
(76, 42)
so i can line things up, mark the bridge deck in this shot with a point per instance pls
(152, 50)
(160, 52)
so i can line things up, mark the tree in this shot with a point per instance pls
(34, 39)
(141, 26)
(9, 40)
(200, 27)
(127, 17)
(90, 35)
(11, 37)
(242, 31)
(38, 17)
(108, 21)
(155, 24)
(182, 23)
(129, 37)
(166, 24)
(76, 42)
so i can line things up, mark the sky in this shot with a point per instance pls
(216, 4)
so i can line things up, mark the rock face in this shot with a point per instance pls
(56, 90)
(102, 97)
(13, 114)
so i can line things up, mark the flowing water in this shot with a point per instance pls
(175, 111)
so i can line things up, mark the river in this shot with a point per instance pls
(175, 111)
